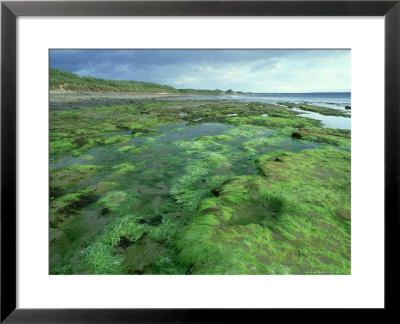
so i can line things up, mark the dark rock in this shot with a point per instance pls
(347, 107)
(296, 134)
(216, 191)
(80, 141)
(124, 242)
(153, 221)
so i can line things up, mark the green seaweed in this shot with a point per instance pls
(336, 137)
(131, 149)
(295, 225)
(254, 145)
(123, 168)
(111, 201)
(64, 178)
(214, 138)
(276, 122)
(67, 205)
(321, 110)
(246, 130)
(102, 187)
(195, 204)
(196, 183)
(100, 256)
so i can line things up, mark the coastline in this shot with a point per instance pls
(63, 99)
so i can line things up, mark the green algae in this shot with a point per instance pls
(132, 242)
(276, 122)
(74, 132)
(254, 145)
(296, 227)
(101, 257)
(117, 139)
(64, 178)
(196, 183)
(123, 168)
(175, 198)
(246, 131)
(87, 158)
(67, 205)
(102, 187)
(321, 110)
(131, 149)
(335, 137)
(111, 201)
(77, 131)
(138, 257)
(204, 143)
(214, 138)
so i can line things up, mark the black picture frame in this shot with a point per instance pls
(10, 10)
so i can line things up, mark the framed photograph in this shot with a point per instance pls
(193, 160)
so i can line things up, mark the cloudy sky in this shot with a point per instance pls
(245, 70)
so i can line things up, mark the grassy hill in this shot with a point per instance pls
(69, 81)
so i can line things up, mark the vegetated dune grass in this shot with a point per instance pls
(149, 188)
(71, 82)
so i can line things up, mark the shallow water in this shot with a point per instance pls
(327, 121)
(158, 166)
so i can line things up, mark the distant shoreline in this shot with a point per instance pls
(67, 99)
(63, 99)
(61, 95)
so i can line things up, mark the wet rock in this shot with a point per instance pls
(347, 107)
(123, 127)
(296, 134)
(124, 242)
(216, 191)
(153, 221)
(140, 130)
(80, 141)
